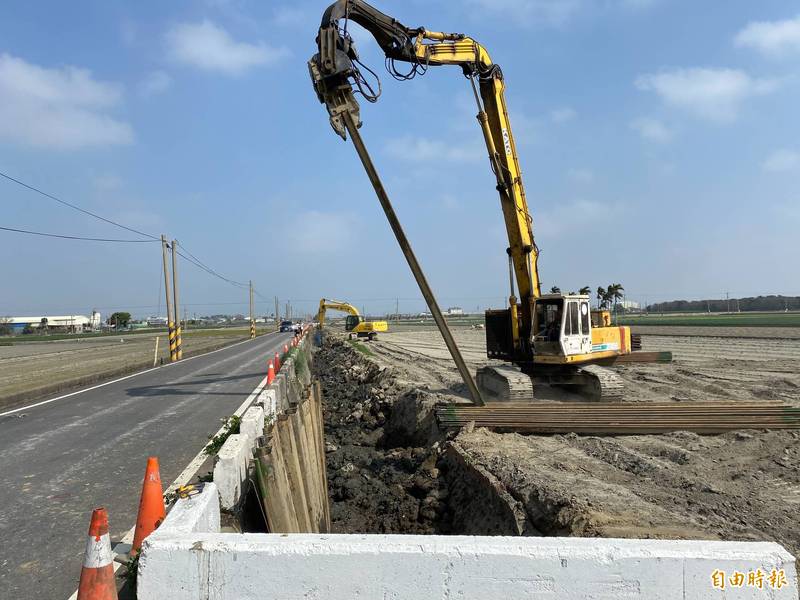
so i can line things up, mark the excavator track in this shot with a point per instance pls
(506, 383)
(602, 383)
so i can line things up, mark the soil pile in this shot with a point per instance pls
(373, 488)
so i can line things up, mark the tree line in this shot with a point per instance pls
(758, 303)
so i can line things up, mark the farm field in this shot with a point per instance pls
(35, 369)
(771, 319)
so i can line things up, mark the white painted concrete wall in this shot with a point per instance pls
(230, 469)
(333, 567)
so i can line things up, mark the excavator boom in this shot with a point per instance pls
(335, 71)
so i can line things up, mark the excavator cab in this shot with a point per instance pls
(351, 322)
(562, 325)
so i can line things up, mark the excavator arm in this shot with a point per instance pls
(325, 304)
(337, 77)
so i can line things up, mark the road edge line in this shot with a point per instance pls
(94, 387)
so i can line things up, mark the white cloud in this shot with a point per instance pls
(206, 46)
(61, 108)
(652, 129)
(581, 175)
(562, 114)
(772, 38)
(419, 149)
(547, 13)
(713, 94)
(781, 161)
(323, 232)
(155, 83)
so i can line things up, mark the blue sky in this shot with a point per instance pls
(658, 140)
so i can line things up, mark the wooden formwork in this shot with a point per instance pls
(290, 466)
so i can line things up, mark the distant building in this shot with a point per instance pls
(630, 305)
(56, 323)
(455, 310)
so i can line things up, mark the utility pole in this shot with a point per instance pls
(178, 337)
(170, 324)
(728, 300)
(397, 309)
(277, 316)
(252, 320)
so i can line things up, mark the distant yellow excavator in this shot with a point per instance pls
(354, 324)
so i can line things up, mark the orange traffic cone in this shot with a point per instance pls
(286, 349)
(151, 505)
(277, 361)
(97, 575)
(270, 373)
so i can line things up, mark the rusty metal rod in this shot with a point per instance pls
(405, 246)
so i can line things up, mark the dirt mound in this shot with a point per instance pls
(373, 486)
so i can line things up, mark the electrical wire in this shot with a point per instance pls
(78, 208)
(199, 264)
(189, 257)
(77, 237)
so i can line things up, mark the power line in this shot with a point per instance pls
(190, 258)
(76, 237)
(78, 208)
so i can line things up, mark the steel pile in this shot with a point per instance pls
(618, 418)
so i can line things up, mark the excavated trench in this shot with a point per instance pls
(390, 470)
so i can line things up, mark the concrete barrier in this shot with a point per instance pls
(230, 469)
(295, 566)
(252, 424)
(231, 466)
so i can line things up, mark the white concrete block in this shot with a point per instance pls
(195, 514)
(230, 469)
(269, 401)
(322, 567)
(252, 424)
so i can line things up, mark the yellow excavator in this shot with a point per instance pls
(354, 323)
(555, 338)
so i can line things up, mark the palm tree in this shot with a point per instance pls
(615, 294)
(555, 290)
(602, 297)
(585, 290)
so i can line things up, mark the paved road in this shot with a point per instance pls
(60, 460)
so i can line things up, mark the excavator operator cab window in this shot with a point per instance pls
(547, 320)
(351, 322)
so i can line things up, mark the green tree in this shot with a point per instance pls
(602, 297)
(585, 290)
(119, 319)
(5, 326)
(614, 294)
(27, 330)
(555, 290)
